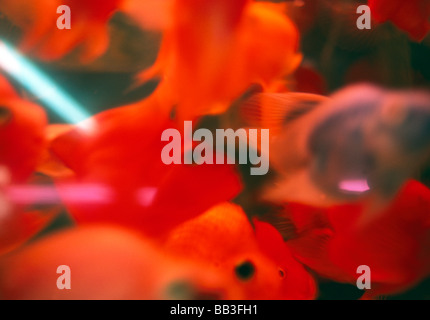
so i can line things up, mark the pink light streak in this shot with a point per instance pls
(355, 186)
(71, 193)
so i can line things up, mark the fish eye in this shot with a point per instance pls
(5, 115)
(281, 273)
(245, 270)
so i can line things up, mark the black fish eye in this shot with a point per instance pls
(245, 270)
(281, 273)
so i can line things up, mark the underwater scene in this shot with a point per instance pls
(214, 150)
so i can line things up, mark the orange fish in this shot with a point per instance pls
(213, 50)
(411, 16)
(22, 135)
(258, 261)
(395, 244)
(22, 143)
(42, 38)
(363, 141)
(120, 161)
(18, 225)
(106, 262)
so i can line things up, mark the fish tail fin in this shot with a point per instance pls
(274, 110)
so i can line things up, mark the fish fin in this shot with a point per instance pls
(21, 226)
(396, 258)
(149, 15)
(299, 187)
(274, 110)
(95, 44)
(156, 70)
(50, 165)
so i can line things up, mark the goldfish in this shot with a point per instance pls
(335, 241)
(106, 262)
(41, 37)
(257, 260)
(411, 16)
(22, 135)
(213, 50)
(121, 159)
(22, 144)
(363, 141)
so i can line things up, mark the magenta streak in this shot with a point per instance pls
(357, 186)
(71, 193)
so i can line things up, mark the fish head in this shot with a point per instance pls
(341, 160)
(405, 116)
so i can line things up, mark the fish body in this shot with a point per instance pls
(44, 40)
(400, 12)
(213, 50)
(335, 241)
(22, 135)
(123, 158)
(362, 139)
(106, 262)
(257, 260)
(22, 144)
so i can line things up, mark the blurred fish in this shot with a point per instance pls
(18, 224)
(107, 262)
(395, 245)
(244, 41)
(149, 14)
(257, 261)
(22, 143)
(362, 140)
(411, 16)
(50, 165)
(122, 156)
(22, 133)
(42, 38)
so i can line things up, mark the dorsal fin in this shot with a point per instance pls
(274, 110)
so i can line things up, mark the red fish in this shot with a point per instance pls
(106, 263)
(22, 143)
(213, 50)
(121, 159)
(411, 16)
(258, 261)
(43, 39)
(361, 142)
(22, 135)
(395, 244)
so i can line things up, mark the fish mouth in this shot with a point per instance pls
(5, 115)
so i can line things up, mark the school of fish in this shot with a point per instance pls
(346, 185)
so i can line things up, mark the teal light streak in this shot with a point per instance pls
(35, 81)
